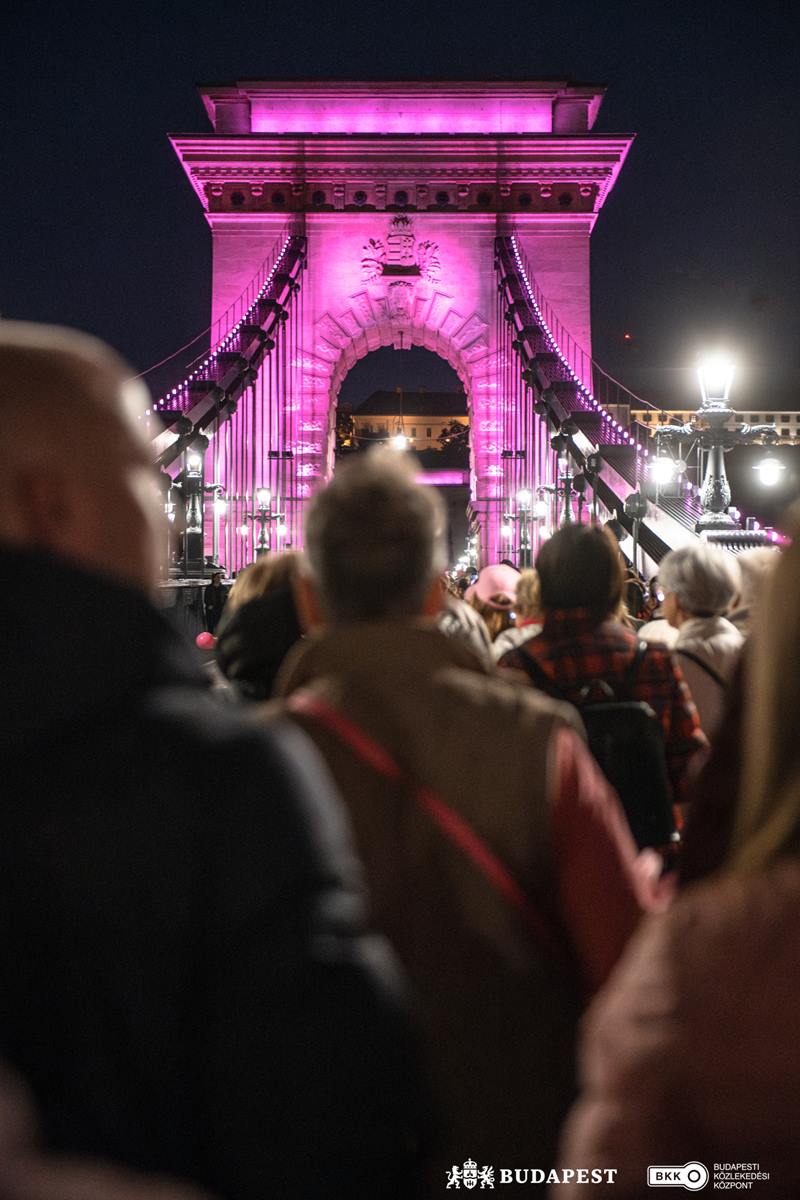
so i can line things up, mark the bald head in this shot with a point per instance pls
(76, 478)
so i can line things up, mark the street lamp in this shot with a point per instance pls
(769, 471)
(193, 536)
(263, 517)
(520, 516)
(710, 431)
(715, 372)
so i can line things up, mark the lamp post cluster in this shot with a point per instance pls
(263, 516)
(710, 432)
(523, 516)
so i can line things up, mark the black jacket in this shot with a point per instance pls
(253, 641)
(184, 982)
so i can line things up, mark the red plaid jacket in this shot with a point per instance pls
(574, 650)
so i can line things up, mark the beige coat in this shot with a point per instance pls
(718, 644)
(498, 1011)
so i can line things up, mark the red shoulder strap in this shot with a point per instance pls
(452, 824)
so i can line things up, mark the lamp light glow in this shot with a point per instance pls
(769, 471)
(263, 496)
(507, 532)
(524, 497)
(715, 373)
(662, 469)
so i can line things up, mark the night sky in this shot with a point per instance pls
(100, 228)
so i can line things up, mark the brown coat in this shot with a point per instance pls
(693, 1050)
(499, 1013)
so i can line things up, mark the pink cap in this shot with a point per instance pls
(495, 581)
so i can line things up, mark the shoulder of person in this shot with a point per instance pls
(505, 703)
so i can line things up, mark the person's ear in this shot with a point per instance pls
(306, 602)
(434, 599)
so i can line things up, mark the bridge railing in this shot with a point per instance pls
(612, 395)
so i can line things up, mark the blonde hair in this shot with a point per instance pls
(496, 620)
(265, 575)
(528, 603)
(767, 822)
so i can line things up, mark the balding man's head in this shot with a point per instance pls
(76, 478)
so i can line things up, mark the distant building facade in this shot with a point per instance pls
(424, 417)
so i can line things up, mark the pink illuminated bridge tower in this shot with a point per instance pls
(350, 216)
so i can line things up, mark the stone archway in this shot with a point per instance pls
(401, 190)
(404, 280)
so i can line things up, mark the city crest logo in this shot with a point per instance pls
(470, 1176)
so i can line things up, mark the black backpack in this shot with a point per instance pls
(626, 738)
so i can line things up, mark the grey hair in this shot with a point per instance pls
(703, 578)
(374, 539)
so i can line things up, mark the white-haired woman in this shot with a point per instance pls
(700, 583)
(693, 1051)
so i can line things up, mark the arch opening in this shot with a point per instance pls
(414, 401)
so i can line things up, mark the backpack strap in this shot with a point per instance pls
(704, 666)
(457, 831)
(633, 665)
(537, 674)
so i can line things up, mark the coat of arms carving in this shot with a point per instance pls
(401, 254)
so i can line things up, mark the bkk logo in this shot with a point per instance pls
(471, 1176)
(692, 1176)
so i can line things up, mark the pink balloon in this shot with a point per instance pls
(205, 641)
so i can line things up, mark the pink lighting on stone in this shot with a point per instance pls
(443, 478)
(499, 153)
(478, 108)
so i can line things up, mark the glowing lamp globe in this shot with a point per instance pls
(715, 373)
(769, 471)
(662, 469)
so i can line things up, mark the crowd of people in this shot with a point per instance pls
(427, 874)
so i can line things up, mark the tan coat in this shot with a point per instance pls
(498, 1011)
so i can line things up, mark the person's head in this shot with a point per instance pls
(493, 595)
(77, 479)
(755, 565)
(528, 605)
(216, 578)
(767, 822)
(374, 542)
(698, 580)
(265, 575)
(580, 567)
(260, 624)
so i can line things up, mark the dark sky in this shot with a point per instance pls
(698, 242)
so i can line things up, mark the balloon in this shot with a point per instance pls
(205, 641)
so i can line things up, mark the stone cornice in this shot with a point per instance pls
(484, 161)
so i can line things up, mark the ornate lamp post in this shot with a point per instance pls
(520, 516)
(264, 516)
(220, 505)
(709, 431)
